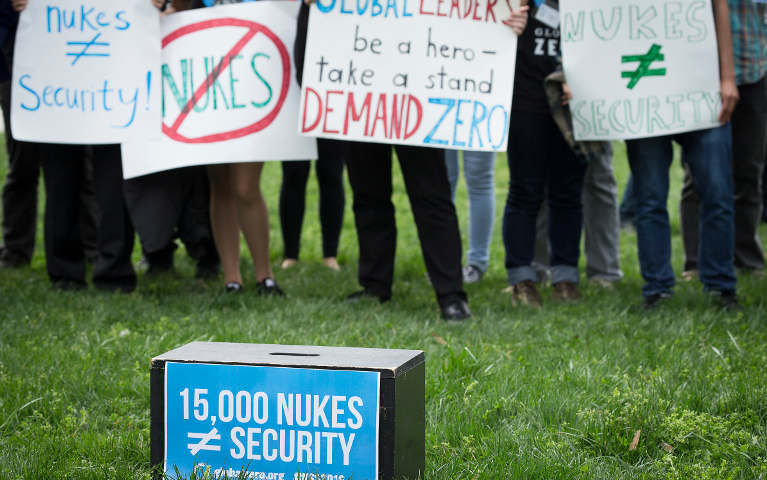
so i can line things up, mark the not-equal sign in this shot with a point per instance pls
(85, 50)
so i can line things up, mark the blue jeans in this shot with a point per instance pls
(709, 156)
(628, 203)
(479, 171)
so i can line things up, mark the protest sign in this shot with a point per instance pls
(84, 72)
(419, 72)
(274, 422)
(640, 69)
(229, 92)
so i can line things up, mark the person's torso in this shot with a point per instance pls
(538, 52)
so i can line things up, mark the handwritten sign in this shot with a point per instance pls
(229, 92)
(272, 422)
(84, 72)
(640, 69)
(420, 72)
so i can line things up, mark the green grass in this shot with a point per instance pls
(514, 393)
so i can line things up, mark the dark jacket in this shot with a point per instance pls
(9, 20)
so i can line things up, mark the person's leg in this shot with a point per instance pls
(253, 215)
(453, 170)
(628, 204)
(565, 192)
(479, 171)
(764, 195)
(650, 159)
(292, 206)
(369, 168)
(89, 209)
(709, 155)
(689, 211)
(527, 173)
(153, 203)
(194, 221)
(427, 187)
(601, 219)
(19, 196)
(62, 171)
(749, 134)
(330, 163)
(224, 221)
(113, 269)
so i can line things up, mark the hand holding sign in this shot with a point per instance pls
(517, 20)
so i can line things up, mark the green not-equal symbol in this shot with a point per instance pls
(644, 70)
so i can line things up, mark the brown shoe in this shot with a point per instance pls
(566, 292)
(525, 293)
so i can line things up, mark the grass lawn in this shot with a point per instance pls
(514, 393)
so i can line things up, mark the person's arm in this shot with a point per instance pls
(729, 92)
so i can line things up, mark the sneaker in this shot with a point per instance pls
(455, 310)
(268, 286)
(651, 302)
(525, 293)
(472, 274)
(233, 287)
(566, 292)
(728, 300)
(366, 294)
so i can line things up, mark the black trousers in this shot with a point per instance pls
(427, 187)
(331, 156)
(64, 172)
(749, 154)
(170, 204)
(541, 166)
(20, 189)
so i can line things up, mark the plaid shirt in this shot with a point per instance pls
(749, 40)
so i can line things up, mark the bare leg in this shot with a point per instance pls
(224, 221)
(254, 218)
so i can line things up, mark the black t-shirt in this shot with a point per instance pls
(538, 52)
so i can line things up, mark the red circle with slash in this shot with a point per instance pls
(253, 30)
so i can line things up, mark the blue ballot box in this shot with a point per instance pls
(288, 412)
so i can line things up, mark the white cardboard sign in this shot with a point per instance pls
(640, 69)
(84, 72)
(229, 92)
(418, 72)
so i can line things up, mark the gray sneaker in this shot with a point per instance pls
(472, 274)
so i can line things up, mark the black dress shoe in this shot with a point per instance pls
(728, 300)
(268, 286)
(651, 302)
(233, 287)
(455, 310)
(366, 294)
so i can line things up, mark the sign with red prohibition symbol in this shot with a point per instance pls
(228, 90)
(253, 29)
